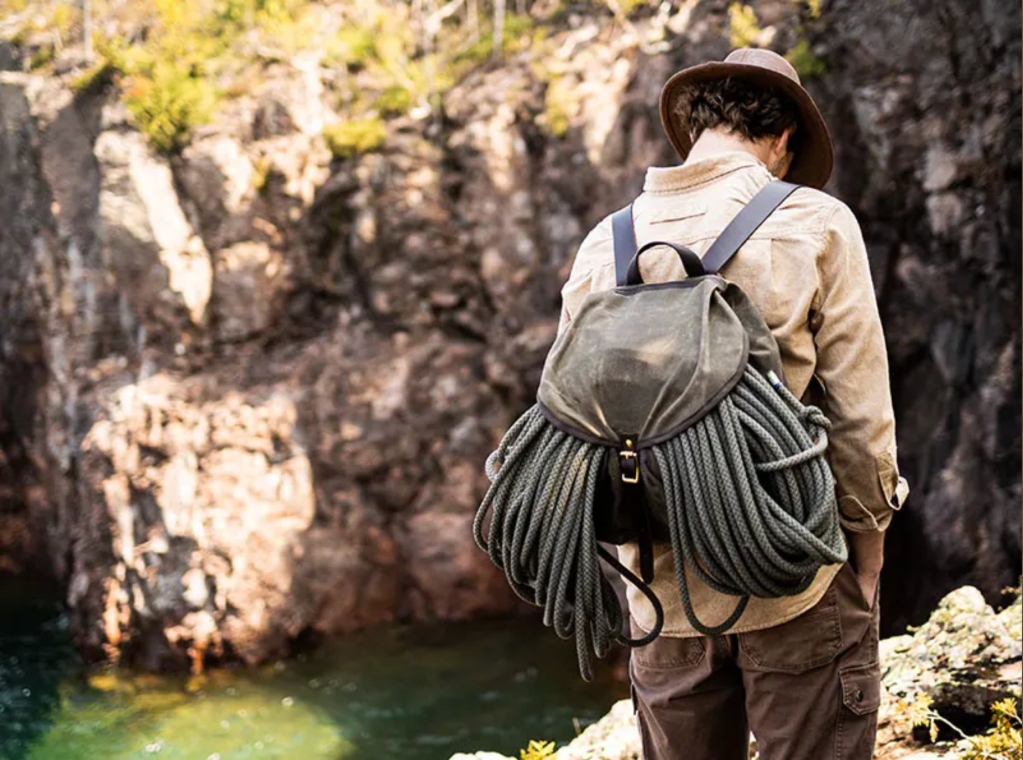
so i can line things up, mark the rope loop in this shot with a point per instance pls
(749, 500)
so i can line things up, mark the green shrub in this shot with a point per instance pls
(261, 171)
(98, 72)
(174, 60)
(41, 56)
(354, 47)
(167, 88)
(744, 27)
(561, 103)
(478, 52)
(168, 104)
(803, 60)
(537, 750)
(631, 6)
(352, 138)
(394, 101)
(515, 28)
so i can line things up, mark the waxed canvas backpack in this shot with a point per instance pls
(662, 416)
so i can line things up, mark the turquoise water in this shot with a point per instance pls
(409, 692)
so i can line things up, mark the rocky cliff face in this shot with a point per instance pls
(247, 391)
(25, 260)
(924, 103)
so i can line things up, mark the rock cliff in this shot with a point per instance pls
(246, 391)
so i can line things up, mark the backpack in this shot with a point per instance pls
(662, 416)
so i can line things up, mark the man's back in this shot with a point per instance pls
(806, 270)
(691, 205)
(751, 630)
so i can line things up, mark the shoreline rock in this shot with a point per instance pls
(964, 659)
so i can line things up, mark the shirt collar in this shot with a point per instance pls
(662, 179)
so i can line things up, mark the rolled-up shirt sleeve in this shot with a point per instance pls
(852, 364)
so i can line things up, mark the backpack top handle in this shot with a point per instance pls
(690, 260)
(731, 239)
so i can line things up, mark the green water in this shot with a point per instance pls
(413, 692)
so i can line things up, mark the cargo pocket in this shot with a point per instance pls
(861, 698)
(808, 641)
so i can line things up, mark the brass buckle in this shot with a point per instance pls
(629, 454)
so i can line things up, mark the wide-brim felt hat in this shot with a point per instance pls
(814, 156)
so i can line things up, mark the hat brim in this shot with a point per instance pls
(812, 163)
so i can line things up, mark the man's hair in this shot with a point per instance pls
(743, 108)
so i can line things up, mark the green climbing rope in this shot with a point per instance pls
(750, 504)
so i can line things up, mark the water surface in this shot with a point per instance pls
(409, 692)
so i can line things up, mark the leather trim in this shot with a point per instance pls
(689, 282)
(623, 233)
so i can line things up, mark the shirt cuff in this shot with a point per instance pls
(856, 518)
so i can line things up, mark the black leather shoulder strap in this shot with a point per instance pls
(624, 235)
(745, 224)
(721, 250)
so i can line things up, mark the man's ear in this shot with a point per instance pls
(781, 142)
(781, 155)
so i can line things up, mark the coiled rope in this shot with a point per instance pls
(750, 505)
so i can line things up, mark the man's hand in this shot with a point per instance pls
(866, 555)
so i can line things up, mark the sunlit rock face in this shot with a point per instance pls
(247, 390)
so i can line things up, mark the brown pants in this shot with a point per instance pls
(809, 689)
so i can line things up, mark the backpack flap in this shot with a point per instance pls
(643, 363)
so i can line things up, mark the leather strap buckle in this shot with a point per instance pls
(629, 462)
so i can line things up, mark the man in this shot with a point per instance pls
(801, 672)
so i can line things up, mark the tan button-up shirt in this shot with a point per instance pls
(807, 272)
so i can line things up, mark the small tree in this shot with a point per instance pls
(87, 30)
(498, 27)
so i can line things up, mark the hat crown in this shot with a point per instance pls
(765, 59)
